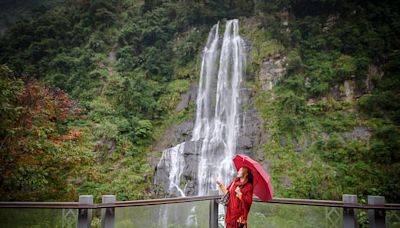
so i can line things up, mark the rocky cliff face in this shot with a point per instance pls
(250, 133)
(189, 165)
(272, 69)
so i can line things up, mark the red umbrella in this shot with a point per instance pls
(261, 184)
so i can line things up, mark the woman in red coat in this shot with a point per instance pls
(240, 198)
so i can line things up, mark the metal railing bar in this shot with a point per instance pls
(50, 205)
(331, 203)
(306, 202)
(392, 204)
(158, 201)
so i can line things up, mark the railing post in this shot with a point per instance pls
(349, 214)
(108, 214)
(376, 216)
(85, 214)
(213, 223)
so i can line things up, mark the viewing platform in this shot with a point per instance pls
(278, 212)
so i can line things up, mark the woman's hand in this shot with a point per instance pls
(221, 186)
(218, 182)
(241, 220)
(238, 192)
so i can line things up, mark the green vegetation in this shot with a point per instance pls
(110, 74)
(88, 86)
(111, 63)
(336, 133)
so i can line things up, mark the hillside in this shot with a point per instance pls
(10, 11)
(91, 88)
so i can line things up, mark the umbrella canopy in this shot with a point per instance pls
(261, 184)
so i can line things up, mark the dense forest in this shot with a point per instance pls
(88, 86)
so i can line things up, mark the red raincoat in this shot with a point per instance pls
(238, 209)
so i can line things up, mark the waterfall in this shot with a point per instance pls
(172, 158)
(217, 123)
(216, 127)
(207, 86)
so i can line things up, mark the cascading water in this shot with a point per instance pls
(217, 119)
(173, 159)
(217, 123)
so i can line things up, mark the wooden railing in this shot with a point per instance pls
(376, 207)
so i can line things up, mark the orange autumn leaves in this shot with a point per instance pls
(44, 106)
(71, 135)
(32, 153)
(41, 112)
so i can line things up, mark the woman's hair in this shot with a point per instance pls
(249, 175)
